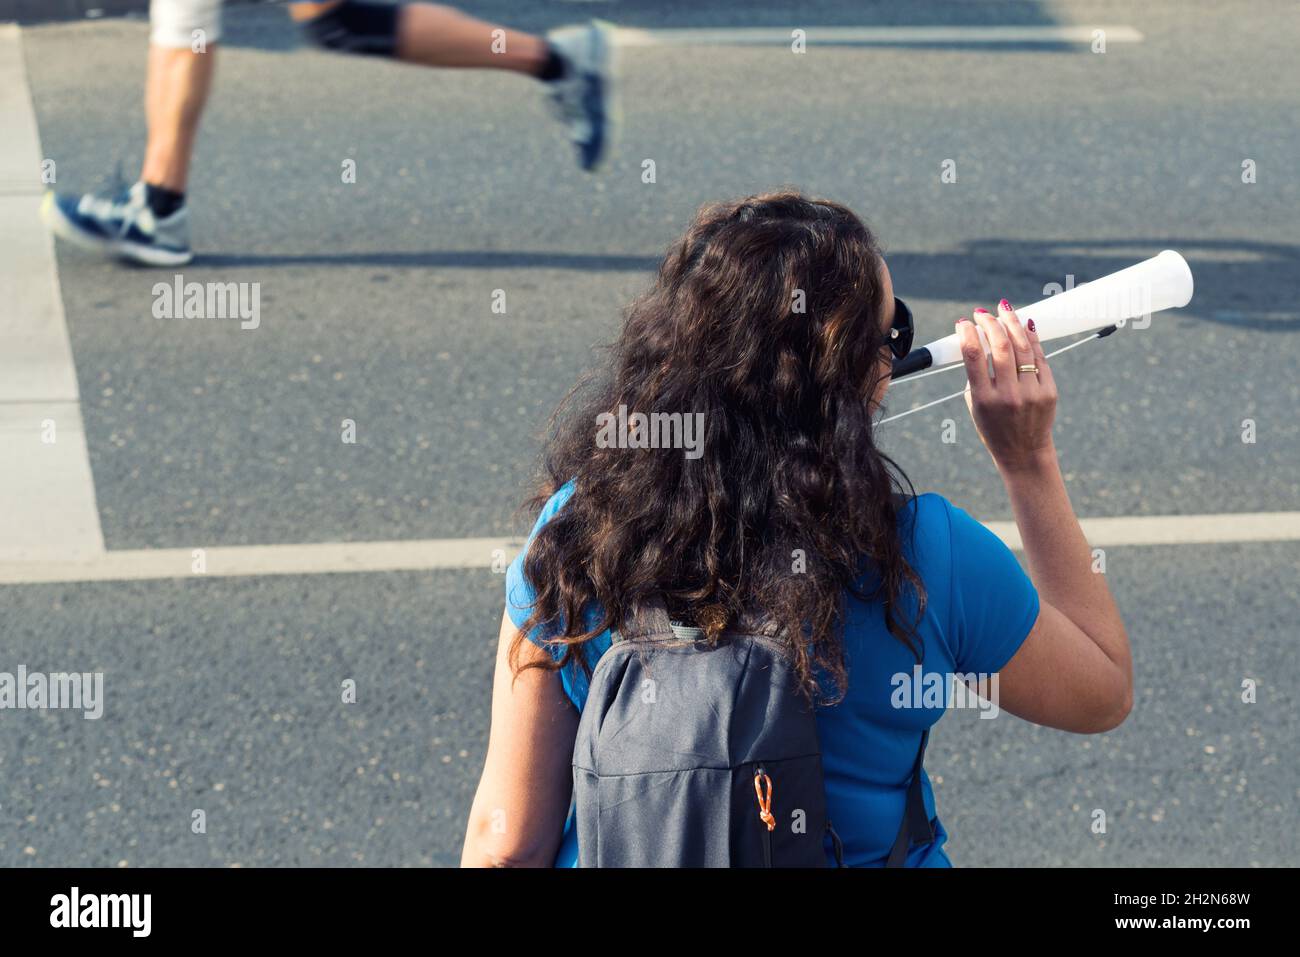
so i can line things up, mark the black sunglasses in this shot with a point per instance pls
(900, 330)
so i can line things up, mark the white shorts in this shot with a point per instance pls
(173, 23)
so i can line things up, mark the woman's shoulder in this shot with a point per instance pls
(934, 529)
(927, 507)
(925, 523)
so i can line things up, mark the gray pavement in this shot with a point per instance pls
(376, 306)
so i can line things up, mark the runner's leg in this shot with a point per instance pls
(176, 89)
(149, 221)
(577, 62)
(432, 34)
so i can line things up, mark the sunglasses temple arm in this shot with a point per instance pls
(916, 360)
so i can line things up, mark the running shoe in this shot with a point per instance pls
(121, 224)
(586, 95)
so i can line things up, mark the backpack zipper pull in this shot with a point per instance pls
(764, 804)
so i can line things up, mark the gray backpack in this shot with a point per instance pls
(692, 754)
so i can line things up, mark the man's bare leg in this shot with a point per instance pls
(176, 89)
(432, 34)
(440, 36)
(577, 63)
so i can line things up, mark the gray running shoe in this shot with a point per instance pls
(586, 96)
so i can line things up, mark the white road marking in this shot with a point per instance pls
(1221, 529)
(1236, 315)
(449, 553)
(47, 494)
(237, 561)
(875, 36)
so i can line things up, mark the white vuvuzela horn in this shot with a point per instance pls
(1161, 282)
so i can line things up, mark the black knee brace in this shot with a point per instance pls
(355, 26)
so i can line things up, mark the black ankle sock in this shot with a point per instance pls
(162, 202)
(554, 67)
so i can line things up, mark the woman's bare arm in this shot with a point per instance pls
(517, 819)
(1074, 671)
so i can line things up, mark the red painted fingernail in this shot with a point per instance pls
(962, 319)
(1031, 326)
(1004, 305)
(985, 311)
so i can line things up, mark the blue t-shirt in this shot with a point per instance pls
(980, 607)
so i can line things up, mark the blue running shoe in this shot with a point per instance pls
(122, 225)
(586, 95)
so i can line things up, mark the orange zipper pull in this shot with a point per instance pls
(764, 803)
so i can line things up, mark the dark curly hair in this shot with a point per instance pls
(789, 465)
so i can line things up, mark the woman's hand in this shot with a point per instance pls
(1012, 410)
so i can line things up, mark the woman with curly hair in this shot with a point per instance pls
(773, 322)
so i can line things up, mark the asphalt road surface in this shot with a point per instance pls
(222, 694)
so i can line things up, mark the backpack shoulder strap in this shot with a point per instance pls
(916, 823)
(650, 620)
